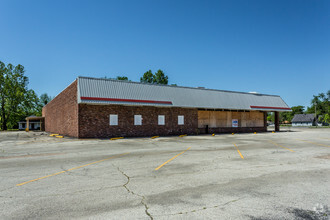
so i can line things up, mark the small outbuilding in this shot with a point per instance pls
(32, 123)
(303, 120)
(92, 107)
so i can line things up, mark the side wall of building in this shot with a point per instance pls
(61, 114)
(94, 121)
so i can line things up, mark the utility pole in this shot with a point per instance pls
(315, 113)
(315, 108)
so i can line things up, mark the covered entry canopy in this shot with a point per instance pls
(33, 118)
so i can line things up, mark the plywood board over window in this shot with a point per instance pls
(260, 119)
(224, 119)
(221, 119)
(180, 120)
(161, 119)
(137, 119)
(244, 118)
(203, 119)
(229, 119)
(256, 119)
(113, 120)
(213, 119)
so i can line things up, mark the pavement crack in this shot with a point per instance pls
(204, 208)
(134, 193)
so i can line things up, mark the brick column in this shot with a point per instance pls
(277, 121)
(265, 121)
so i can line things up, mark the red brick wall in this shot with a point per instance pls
(61, 114)
(94, 121)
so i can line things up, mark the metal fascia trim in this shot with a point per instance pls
(267, 107)
(126, 100)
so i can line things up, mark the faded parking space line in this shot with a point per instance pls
(238, 151)
(30, 155)
(172, 158)
(323, 145)
(54, 174)
(272, 142)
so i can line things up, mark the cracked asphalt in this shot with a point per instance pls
(283, 175)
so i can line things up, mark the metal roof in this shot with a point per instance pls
(303, 118)
(107, 91)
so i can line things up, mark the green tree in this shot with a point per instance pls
(3, 71)
(270, 116)
(295, 110)
(320, 104)
(125, 78)
(160, 78)
(41, 102)
(148, 77)
(15, 98)
(326, 118)
(288, 116)
(45, 99)
(327, 102)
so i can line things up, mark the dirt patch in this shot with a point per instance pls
(324, 156)
(310, 215)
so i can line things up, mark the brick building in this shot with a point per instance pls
(92, 107)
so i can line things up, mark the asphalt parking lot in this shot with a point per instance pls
(284, 175)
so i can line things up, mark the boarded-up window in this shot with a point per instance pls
(137, 119)
(161, 119)
(113, 119)
(180, 120)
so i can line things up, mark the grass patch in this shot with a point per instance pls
(10, 130)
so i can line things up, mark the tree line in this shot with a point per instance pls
(148, 77)
(319, 105)
(16, 100)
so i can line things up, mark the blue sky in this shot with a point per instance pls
(273, 47)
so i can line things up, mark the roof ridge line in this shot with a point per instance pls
(186, 87)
